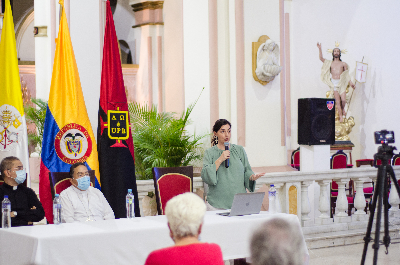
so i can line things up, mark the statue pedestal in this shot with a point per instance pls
(346, 146)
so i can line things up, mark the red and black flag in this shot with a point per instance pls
(114, 137)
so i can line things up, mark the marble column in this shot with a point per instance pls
(305, 204)
(149, 34)
(341, 202)
(278, 196)
(324, 204)
(359, 201)
(46, 17)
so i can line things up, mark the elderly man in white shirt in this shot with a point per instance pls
(81, 202)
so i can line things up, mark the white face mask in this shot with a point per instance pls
(83, 183)
(21, 176)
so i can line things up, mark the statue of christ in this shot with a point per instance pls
(336, 75)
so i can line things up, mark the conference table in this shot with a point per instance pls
(122, 241)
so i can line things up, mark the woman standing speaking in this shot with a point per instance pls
(224, 182)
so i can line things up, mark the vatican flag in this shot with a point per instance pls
(13, 130)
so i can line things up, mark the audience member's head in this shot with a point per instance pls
(277, 242)
(185, 214)
(12, 171)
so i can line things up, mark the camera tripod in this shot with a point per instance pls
(385, 172)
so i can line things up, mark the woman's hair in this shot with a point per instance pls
(218, 124)
(185, 214)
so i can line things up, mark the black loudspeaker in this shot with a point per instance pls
(316, 121)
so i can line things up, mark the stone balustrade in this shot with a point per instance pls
(313, 193)
(321, 182)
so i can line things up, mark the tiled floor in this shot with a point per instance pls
(351, 255)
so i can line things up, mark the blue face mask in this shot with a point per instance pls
(83, 183)
(21, 176)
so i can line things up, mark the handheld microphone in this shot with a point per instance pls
(226, 148)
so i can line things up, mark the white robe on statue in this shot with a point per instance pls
(87, 205)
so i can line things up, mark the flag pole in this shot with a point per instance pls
(348, 105)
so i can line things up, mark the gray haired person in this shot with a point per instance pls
(277, 242)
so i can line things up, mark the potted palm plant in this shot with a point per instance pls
(161, 140)
(36, 115)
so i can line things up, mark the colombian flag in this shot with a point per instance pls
(13, 132)
(68, 137)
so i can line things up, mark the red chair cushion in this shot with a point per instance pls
(396, 161)
(296, 158)
(62, 185)
(364, 160)
(368, 190)
(339, 161)
(171, 185)
(349, 199)
(334, 185)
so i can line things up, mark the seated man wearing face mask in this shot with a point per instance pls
(25, 205)
(81, 202)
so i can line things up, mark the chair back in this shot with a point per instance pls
(296, 156)
(169, 182)
(339, 160)
(295, 159)
(396, 160)
(59, 181)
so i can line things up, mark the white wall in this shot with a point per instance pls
(365, 28)
(26, 50)
(263, 131)
(44, 47)
(196, 63)
(124, 20)
(263, 104)
(86, 31)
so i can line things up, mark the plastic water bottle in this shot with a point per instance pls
(57, 210)
(6, 213)
(130, 208)
(272, 198)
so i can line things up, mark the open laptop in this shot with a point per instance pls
(245, 203)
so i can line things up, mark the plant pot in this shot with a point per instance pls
(149, 206)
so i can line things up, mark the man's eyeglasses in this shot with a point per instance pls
(18, 168)
(82, 174)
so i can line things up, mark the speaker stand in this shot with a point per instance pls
(314, 157)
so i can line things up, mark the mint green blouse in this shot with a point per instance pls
(224, 183)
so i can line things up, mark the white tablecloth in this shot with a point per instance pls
(121, 241)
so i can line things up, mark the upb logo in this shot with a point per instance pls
(118, 126)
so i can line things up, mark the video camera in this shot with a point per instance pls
(385, 151)
(384, 137)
